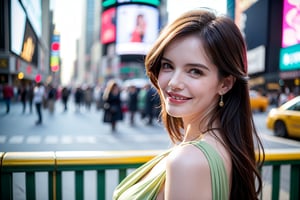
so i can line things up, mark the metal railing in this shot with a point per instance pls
(54, 164)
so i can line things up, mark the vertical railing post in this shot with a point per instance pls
(30, 185)
(295, 182)
(6, 186)
(101, 184)
(276, 182)
(52, 185)
(122, 174)
(58, 185)
(79, 185)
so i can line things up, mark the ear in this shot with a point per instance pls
(226, 84)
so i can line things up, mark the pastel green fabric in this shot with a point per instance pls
(219, 178)
(133, 187)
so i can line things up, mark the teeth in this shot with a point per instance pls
(178, 98)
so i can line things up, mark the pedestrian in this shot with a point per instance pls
(30, 96)
(8, 94)
(142, 100)
(38, 96)
(23, 94)
(65, 97)
(88, 97)
(112, 104)
(51, 98)
(132, 103)
(78, 96)
(199, 67)
(151, 105)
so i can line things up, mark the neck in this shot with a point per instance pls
(196, 130)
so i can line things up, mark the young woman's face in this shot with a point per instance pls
(188, 80)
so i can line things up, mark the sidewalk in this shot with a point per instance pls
(74, 130)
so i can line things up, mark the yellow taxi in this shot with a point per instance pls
(258, 102)
(285, 120)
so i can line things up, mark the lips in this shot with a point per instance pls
(177, 98)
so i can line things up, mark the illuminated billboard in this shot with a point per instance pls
(290, 58)
(23, 40)
(30, 42)
(17, 28)
(291, 23)
(110, 3)
(33, 9)
(137, 28)
(108, 27)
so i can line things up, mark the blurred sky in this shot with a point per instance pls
(67, 18)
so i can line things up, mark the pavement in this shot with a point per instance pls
(75, 130)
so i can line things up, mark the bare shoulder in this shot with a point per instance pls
(187, 174)
(187, 156)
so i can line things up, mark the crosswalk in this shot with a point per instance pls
(77, 139)
(51, 139)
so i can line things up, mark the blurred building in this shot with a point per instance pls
(85, 70)
(108, 47)
(117, 34)
(25, 35)
(128, 30)
(272, 33)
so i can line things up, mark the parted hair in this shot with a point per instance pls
(225, 47)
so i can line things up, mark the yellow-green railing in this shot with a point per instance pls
(57, 163)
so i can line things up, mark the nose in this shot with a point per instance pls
(176, 81)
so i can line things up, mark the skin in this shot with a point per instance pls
(191, 89)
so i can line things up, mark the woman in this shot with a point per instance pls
(199, 67)
(112, 104)
(38, 98)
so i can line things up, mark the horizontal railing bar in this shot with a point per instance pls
(104, 157)
(28, 158)
(84, 158)
(282, 154)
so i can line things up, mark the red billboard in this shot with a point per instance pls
(108, 27)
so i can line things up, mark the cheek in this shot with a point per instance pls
(163, 80)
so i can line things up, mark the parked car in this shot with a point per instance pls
(258, 101)
(285, 120)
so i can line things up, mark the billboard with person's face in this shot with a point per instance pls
(137, 28)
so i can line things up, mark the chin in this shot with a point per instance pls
(174, 113)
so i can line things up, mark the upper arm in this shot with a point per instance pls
(187, 175)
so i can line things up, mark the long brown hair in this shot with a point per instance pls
(225, 47)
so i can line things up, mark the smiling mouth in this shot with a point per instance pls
(177, 97)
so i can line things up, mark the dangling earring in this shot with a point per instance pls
(221, 103)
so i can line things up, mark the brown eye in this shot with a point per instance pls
(166, 66)
(195, 72)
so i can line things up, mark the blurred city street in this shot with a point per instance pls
(84, 131)
(74, 130)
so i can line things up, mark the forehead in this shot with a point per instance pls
(188, 48)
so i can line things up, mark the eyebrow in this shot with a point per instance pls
(189, 64)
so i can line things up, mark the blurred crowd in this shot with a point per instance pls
(137, 101)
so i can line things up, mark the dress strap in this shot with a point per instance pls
(219, 178)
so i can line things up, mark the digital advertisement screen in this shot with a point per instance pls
(108, 27)
(137, 28)
(291, 23)
(152, 2)
(33, 9)
(29, 48)
(17, 31)
(110, 3)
